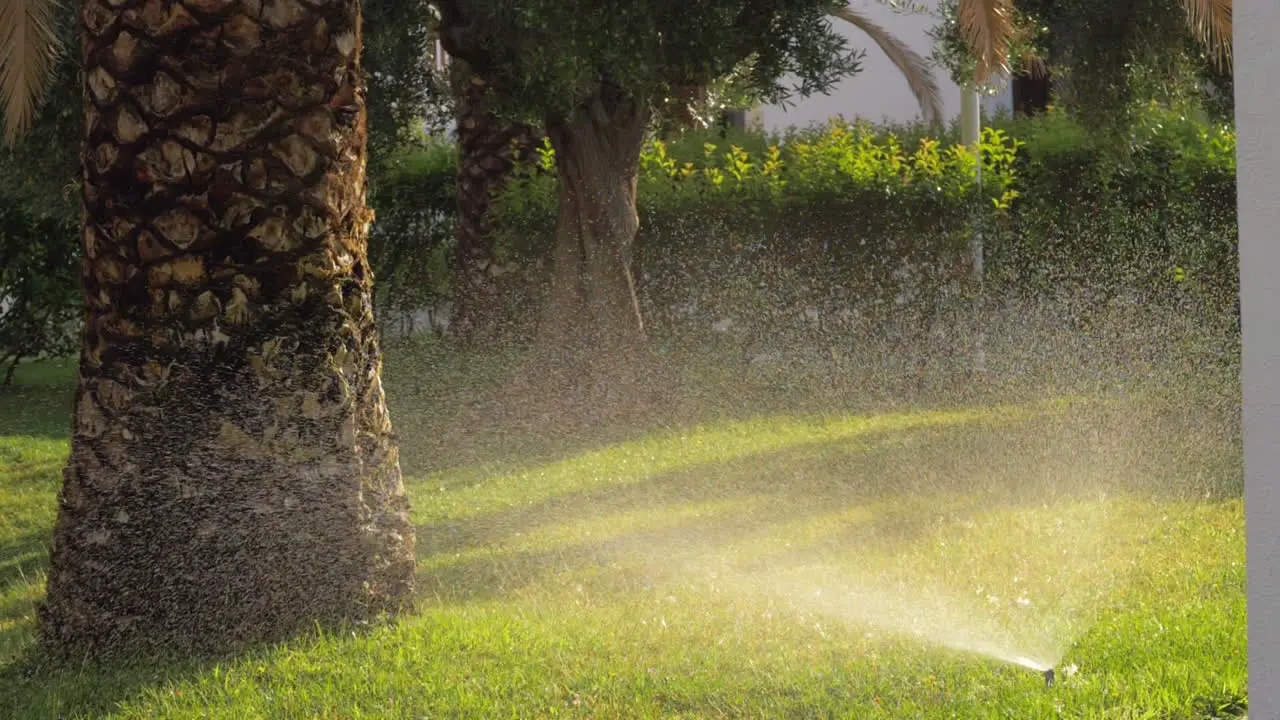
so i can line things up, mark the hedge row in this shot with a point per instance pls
(848, 218)
(40, 300)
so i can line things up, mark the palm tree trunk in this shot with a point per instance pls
(233, 475)
(487, 150)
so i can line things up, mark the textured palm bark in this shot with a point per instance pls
(233, 475)
(488, 148)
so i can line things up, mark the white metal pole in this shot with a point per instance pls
(970, 116)
(970, 134)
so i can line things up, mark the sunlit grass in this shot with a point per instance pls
(816, 565)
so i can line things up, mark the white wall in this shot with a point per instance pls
(878, 92)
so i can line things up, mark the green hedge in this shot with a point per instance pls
(409, 243)
(851, 219)
(847, 218)
(1166, 205)
(40, 300)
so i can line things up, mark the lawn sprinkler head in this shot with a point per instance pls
(1048, 678)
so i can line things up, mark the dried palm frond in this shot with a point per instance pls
(912, 66)
(1210, 22)
(29, 46)
(987, 26)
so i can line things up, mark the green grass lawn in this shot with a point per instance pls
(791, 564)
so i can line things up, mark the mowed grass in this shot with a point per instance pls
(785, 565)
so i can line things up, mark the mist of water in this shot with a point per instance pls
(921, 610)
(1035, 346)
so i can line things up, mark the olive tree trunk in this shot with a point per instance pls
(592, 332)
(233, 475)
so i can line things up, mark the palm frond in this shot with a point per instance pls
(913, 67)
(1210, 22)
(29, 47)
(987, 26)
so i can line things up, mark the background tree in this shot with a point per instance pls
(915, 69)
(39, 258)
(408, 99)
(233, 475)
(591, 73)
(699, 105)
(1113, 54)
(488, 148)
(29, 48)
(490, 145)
(1104, 55)
(39, 299)
(40, 164)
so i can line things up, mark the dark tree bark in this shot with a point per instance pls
(590, 348)
(591, 336)
(1031, 95)
(233, 475)
(488, 148)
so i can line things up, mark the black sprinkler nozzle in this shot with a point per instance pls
(1048, 678)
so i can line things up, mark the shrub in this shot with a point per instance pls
(824, 220)
(39, 289)
(412, 233)
(856, 222)
(1089, 214)
(848, 223)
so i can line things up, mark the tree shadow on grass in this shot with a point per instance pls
(449, 419)
(32, 686)
(853, 483)
(38, 406)
(861, 468)
(638, 559)
(22, 560)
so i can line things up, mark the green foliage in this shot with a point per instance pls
(723, 226)
(845, 163)
(1109, 58)
(412, 233)
(728, 92)
(39, 214)
(39, 292)
(1087, 214)
(1103, 47)
(549, 56)
(404, 90)
(822, 217)
(830, 217)
(951, 52)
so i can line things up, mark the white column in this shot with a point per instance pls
(970, 116)
(1258, 156)
(970, 132)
